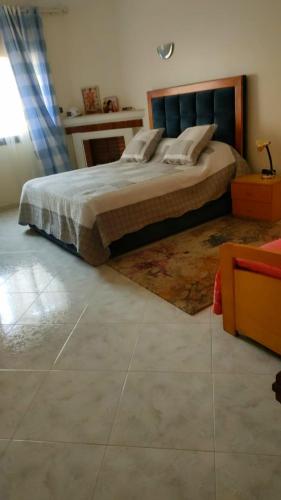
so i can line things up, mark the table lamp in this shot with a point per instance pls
(261, 145)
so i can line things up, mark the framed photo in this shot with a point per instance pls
(91, 98)
(110, 104)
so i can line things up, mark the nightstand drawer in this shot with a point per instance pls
(251, 192)
(251, 209)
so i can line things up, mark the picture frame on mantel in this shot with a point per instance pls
(91, 99)
(110, 104)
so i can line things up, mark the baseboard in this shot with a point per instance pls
(8, 207)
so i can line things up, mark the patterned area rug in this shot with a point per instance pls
(181, 269)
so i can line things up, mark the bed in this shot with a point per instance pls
(108, 209)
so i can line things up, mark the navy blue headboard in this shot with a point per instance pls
(217, 101)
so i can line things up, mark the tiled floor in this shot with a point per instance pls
(109, 393)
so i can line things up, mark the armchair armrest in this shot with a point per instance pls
(229, 252)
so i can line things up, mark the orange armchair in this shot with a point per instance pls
(251, 301)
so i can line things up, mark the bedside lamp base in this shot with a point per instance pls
(267, 173)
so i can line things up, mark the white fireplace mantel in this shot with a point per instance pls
(119, 116)
(100, 125)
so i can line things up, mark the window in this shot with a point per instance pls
(12, 120)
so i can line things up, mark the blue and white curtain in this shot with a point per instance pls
(22, 32)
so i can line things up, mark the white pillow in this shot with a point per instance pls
(143, 145)
(162, 148)
(190, 144)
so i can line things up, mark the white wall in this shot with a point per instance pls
(83, 50)
(18, 164)
(113, 43)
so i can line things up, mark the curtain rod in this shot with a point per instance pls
(52, 11)
(47, 10)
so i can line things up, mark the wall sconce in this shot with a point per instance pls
(165, 50)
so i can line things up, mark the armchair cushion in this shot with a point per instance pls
(259, 267)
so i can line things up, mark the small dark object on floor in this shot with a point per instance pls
(276, 387)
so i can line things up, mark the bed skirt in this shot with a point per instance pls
(158, 230)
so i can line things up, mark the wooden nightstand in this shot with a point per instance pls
(256, 198)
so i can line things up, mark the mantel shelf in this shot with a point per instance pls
(136, 114)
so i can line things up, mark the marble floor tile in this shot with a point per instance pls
(56, 258)
(247, 417)
(248, 477)
(73, 278)
(3, 446)
(116, 304)
(151, 474)
(13, 305)
(73, 407)
(8, 217)
(31, 347)
(176, 347)
(216, 319)
(241, 355)
(21, 240)
(11, 263)
(51, 259)
(33, 279)
(78, 273)
(203, 316)
(98, 346)
(49, 471)
(55, 307)
(169, 410)
(6, 272)
(16, 392)
(4, 330)
(158, 310)
(90, 281)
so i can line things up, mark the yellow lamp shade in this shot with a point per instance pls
(261, 144)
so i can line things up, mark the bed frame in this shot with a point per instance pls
(215, 101)
(220, 101)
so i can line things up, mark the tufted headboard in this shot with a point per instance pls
(216, 101)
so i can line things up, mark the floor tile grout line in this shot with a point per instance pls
(33, 291)
(25, 311)
(69, 336)
(46, 286)
(213, 412)
(37, 293)
(109, 370)
(10, 441)
(95, 485)
(214, 430)
(102, 370)
(215, 475)
(124, 384)
(122, 445)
